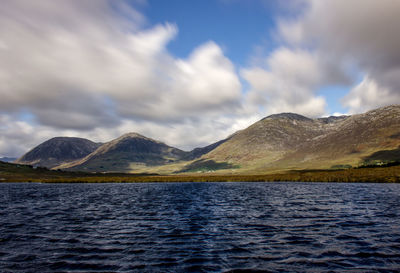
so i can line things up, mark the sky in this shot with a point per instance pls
(188, 73)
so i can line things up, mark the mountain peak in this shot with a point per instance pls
(332, 119)
(132, 135)
(291, 116)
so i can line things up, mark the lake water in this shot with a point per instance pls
(199, 227)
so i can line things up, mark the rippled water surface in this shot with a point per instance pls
(199, 227)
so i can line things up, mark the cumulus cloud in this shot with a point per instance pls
(84, 68)
(18, 136)
(368, 95)
(288, 82)
(102, 61)
(364, 32)
(205, 83)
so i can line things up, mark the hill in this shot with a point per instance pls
(57, 151)
(128, 152)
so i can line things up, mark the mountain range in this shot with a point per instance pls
(278, 142)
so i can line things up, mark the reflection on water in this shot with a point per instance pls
(201, 227)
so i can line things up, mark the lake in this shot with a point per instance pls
(199, 227)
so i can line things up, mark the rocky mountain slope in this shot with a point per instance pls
(58, 150)
(291, 141)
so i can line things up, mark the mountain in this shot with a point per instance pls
(276, 143)
(291, 141)
(58, 150)
(128, 152)
(8, 159)
(198, 152)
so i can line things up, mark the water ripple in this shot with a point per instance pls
(200, 227)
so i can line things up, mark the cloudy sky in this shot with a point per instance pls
(188, 72)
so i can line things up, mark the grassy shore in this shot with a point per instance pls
(22, 173)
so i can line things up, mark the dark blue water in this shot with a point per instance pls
(199, 227)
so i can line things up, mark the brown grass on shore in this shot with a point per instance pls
(20, 173)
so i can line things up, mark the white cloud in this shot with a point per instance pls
(288, 82)
(18, 136)
(53, 67)
(368, 95)
(203, 84)
(362, 32)
(80, 68)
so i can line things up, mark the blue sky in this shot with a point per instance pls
(238, 26)
(241, 28)
(188, 73)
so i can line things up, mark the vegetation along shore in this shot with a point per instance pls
(23, 173)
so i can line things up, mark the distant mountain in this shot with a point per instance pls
(8, 159)
(290, 141)
(130, 151)
(58, 150)
(198, 152)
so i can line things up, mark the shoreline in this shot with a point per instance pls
(26, 174)
(160, 182)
